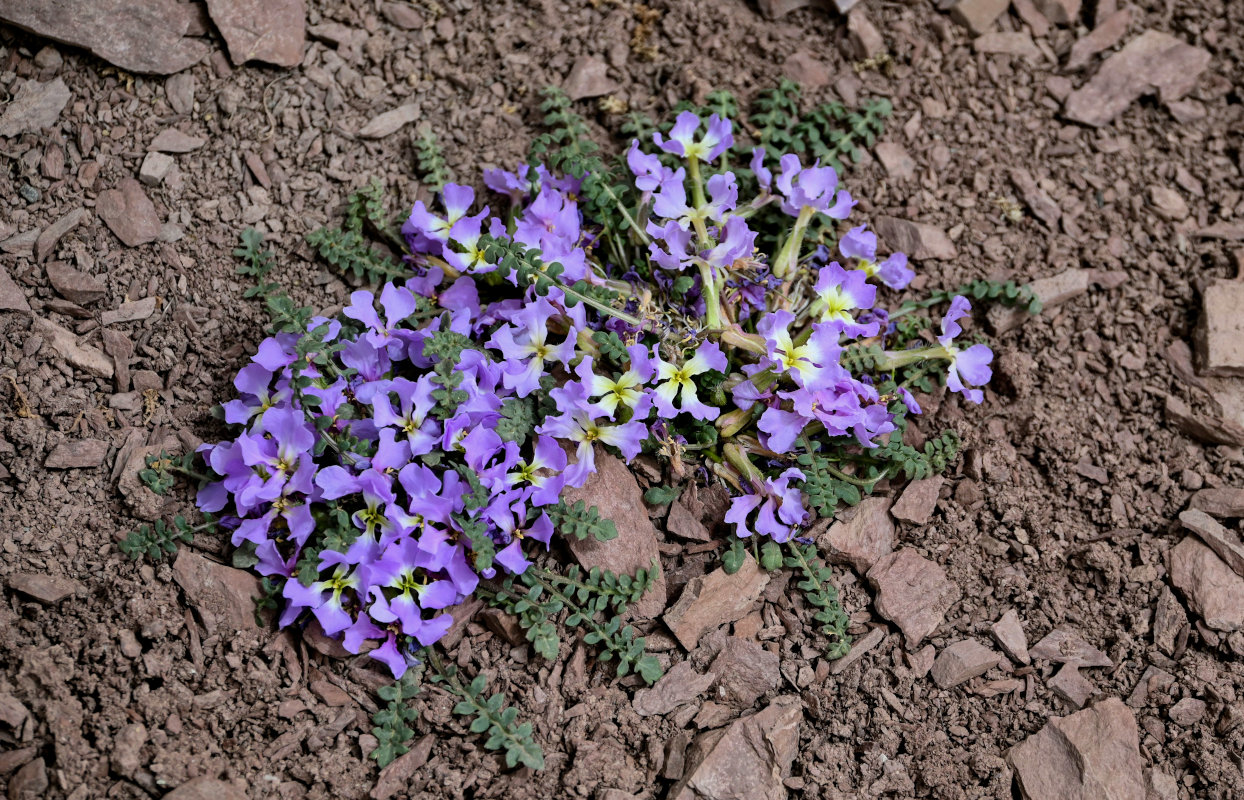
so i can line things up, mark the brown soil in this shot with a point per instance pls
(129, 695)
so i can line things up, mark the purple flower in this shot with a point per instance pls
(968, 367)
(682, 142)
(674, 382)
(541, 472)
(424, 231)
(670, 247)
(625, 390)
(861, 244)
(580, 425)
(840, 292)
(781, 508)
(813, 187)
(807, 363)
(650, 174)
(514, 185)
(735, 241)
(415, 402)
(324, 598)
(282, 459)
(398, 304)
(526, 348)
(763, 176)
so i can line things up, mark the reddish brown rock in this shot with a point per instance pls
(1009, 43)
(712, 600)
(403, 16)
(272, 31)
(773, 9)
(77, 454)
(1032, 17)
(1010, 635)
(35, 105)
(1043, 206)
(171, 140)
(749, 759)
(860, 648)
(1094, 753)
(1222, 541)
(147, 36)
(616, 495)
(1052, 291)
(1169, 619)
(1103, 37)
(129, 213)
(84, 357)
(806, 69)
(1187, 712)
(1071, 686)
(919, 500)
(45, 245)
(978, 15)
(206, 789)
(1221, 502)
(73, 285)
(44, 588)
(588, 78)
(223, 596)
(1060, 12)
(745, 672)
(12, 298)
(679, 686)
(866, 41)
(912, 592)
(1065, 646)
(330, 694)
(30, 782)
(962, 661)
(1152, 62)
(917, 240)
(396, 777)
(1203, 426)
(864, 534)
(683, 524)
(898, 164)
(132, 311)
(1212, 588)
(1220, 332)
(390, 122)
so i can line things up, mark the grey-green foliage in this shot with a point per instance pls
(493, 717)
(820, 593)
(393, 722)
(580, 521)
(157, 541)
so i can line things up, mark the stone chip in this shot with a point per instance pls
(1092, 753)
(912, 592)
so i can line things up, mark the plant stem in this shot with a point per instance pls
(788, 256)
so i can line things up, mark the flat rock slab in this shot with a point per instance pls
(77, 454)
(36, 105)
(129, 213)
(75, 286)
(1153, 62)
(1065, 646)
(1094, 753)
(12, 298)
(1222, 502)
(1203, 426)
(1224, 542)
(1051, 291)
(272, 31)
(978, 16)
(745, 672)
(617, 496)
(918, 501)
(1008, 633)
(685, 525)
(65, 344)
(1212, 588)
(863, 535)
(147, 36)
(589, 77)
(915, 239)
(679, 686)
(962, 661)
(912, 592)
(1106, 35)
(712, 600)
(223, 596)
(45, 245)
(206, 789)
(171, 140)
(390, 122)
(1220, 332)
(1071, 686)
(748, 760)
(44, 588)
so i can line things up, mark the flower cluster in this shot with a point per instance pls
(390, 458)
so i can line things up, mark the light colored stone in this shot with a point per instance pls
(978, 15)
(912, 592)
(916, 239)
(1227, 501)
(1060, 12)
(745, 672)
(272, 31)
(680, 685)
(390, 122)
(155, 168)
(77, 454)
(1187, 712)
(1168, 203)
(962, 661)
(898, 164)
(863, 535)
(1169, 618)
(33, 107)
(84, 357)
(1224, 542)
(44, 588)
(589, 77)
(1008, 43)
(859, 649)
(1009, 634)
(1212, 588)
(45, 245)
(1203, 426)
(712, 600)
(1220, 332)
(1103, 37)
(1071, 686)
(806, 69)
(223, 596)
(919, 500)
(129, 213)
(746, 761)
(683, 524)
(865, 39)
(1043, 206)
(1094, 753)
(171, 140)
(1052, 291)
(1065, 646)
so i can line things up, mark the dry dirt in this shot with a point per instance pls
(1062, 508)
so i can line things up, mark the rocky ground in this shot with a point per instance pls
(1062, 616)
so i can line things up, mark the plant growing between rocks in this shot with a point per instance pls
(698, 299)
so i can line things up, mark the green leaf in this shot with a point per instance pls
(661, 495)
(732, 560)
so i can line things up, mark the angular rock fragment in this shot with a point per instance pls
(864, 37)
(1187, 712)
(1152, 62)
(918, 501)
(73, 285)
(1212, 588)
(77, 454)
(396, 777)
(171, 140)
(44, 588)
(1220, 331)
(806, 69)
(1168, 203)
(272, 31)
(155, 168)
(223, 596)
(1103, 37)
(129, 213)
(45, 245)
(1221, 502)
(962, 661)
(84, 357)
(749, 759)
(146, 36)
(1065, 646)
(745, 672)
(859, 649)
(30, 782)
(133, 311)
(917, 240)
(12, 298)
(616, 495)
(898, 164)
(1092, 753)
(863, 535)
(912, 592)
(1204, 427)
(715, 599)
(978, 15)
(680, 685)
(1010, 635)
(1043, 206)
(1051, 291)
(1009, 43)
(1154, 679)
(683, 524)
(773, 9)
(589, 77)
(390, 122)
(206, 789)
(1169, 619)
(1224, 542)
(35, 106)
(1071, 686)
(1032, 17)
(1060, 12)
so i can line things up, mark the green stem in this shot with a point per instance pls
(788, 256)
(599, 306)
(712, 300)
(697, 184)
